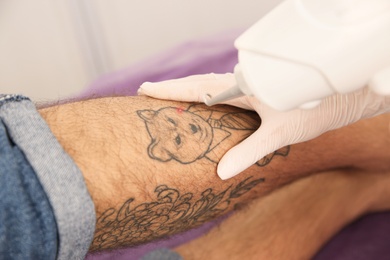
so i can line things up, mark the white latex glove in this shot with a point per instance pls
(278, 129)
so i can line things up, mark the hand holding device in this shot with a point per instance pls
(277, 129)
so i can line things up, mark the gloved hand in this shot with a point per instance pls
(277, 129)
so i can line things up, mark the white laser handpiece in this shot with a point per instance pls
(305, 50)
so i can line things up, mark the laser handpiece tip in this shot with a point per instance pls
(207, 99)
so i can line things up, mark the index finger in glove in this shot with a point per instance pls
(262, 142)
(190, 89)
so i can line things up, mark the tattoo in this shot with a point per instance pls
(284, 151)
(184, 135)
(170, 213)
(189, 135)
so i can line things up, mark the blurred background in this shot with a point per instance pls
(52, 49)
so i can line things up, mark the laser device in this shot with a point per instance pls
(305, 50)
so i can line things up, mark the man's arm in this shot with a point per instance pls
(150, 165)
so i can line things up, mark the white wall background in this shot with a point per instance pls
(50, 49)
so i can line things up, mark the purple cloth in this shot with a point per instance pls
(367, 238)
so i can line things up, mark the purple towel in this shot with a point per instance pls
(367, 238)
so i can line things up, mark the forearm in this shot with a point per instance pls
(144, 189)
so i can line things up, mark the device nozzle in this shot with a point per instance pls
(228, 94)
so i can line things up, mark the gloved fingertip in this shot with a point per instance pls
(146, 88)
(226, 171)
(141, 92)
(146, 85)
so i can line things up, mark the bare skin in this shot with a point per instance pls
(296, 220)
(150, 167)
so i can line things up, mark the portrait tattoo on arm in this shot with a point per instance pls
(189, 135)
(174, 132)
(185, 136)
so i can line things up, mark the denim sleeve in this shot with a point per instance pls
(46, 211)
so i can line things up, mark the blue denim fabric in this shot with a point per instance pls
(40, 180)
(28, 229)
